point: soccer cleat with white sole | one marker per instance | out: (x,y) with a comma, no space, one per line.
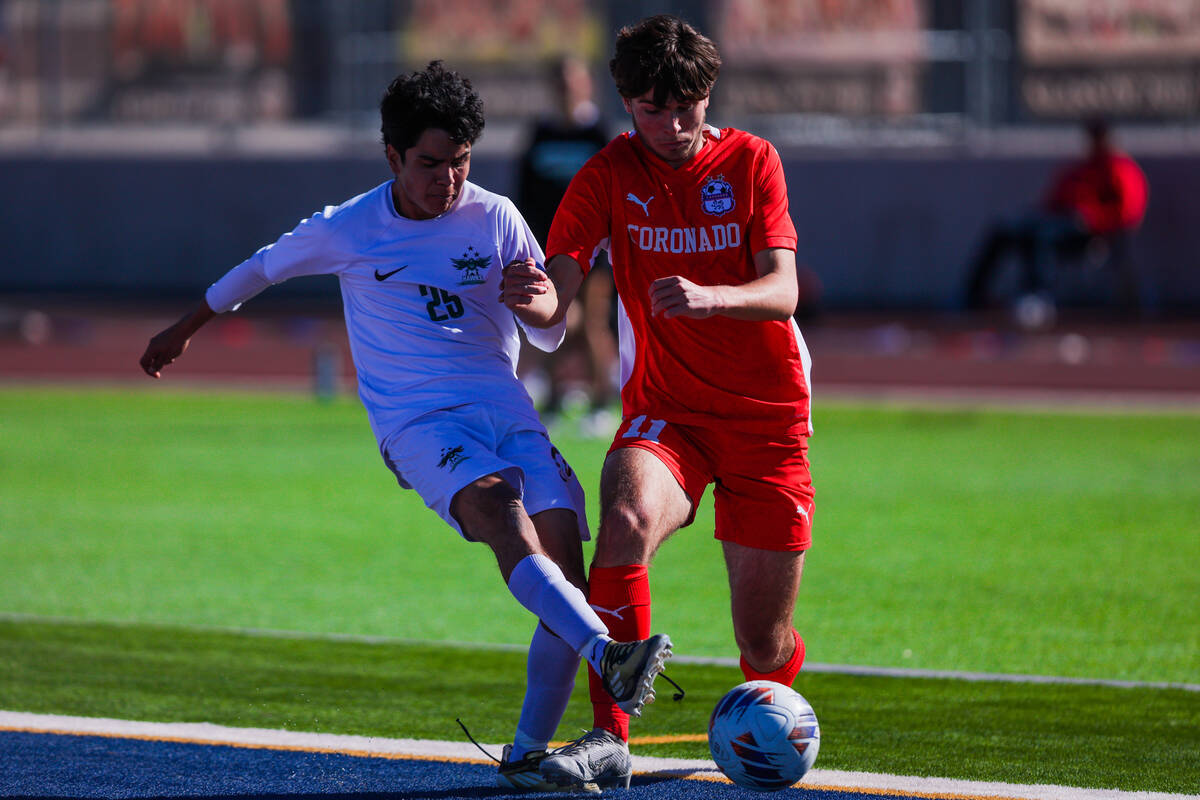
(523,774)
(628,670)
(598,759)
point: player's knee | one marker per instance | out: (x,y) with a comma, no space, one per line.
(488,502)
(625,535)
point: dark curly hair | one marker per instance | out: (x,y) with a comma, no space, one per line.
(432,98)
(665,54)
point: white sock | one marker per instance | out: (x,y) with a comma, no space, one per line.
(549,677)
(523,744)
(594,649)
(539,585)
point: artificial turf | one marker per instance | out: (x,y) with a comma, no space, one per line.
(1086,736)
(1050,543)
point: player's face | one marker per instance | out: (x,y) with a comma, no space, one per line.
(674,132)
(430,176)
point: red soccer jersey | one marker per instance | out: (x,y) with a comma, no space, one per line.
(703,221)
(1106,191)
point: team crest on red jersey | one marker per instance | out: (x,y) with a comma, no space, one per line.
(716,196)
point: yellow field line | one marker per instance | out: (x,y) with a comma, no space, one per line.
(669,738)
(664,739)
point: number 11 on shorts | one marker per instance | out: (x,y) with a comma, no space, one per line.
(652,431)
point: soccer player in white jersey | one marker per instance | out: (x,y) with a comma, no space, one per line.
(419,261)
(714,369)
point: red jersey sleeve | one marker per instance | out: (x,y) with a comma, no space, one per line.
(582,222)
(1134,193)
(771,225)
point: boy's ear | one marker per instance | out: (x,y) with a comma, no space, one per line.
(395,159)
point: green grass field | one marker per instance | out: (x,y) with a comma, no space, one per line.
(1044,543)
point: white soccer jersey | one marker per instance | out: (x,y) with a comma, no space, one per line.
(426,327)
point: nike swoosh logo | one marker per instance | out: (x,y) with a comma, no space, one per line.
(383,276)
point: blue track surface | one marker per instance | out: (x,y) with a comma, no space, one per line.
(60,766)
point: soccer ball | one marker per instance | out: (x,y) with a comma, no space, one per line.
(763,736)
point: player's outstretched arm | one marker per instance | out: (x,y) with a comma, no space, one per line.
(540,298)
(168,344)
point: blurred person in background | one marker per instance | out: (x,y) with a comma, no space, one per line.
(1090,209)
(558,147)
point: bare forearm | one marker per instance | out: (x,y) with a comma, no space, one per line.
(543,311)
(771,297)
(195,319)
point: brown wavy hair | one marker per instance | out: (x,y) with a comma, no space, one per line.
(666,55)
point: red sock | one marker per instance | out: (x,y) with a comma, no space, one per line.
(785,674)
(621,596)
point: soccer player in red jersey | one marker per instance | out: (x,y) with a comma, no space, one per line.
(714,369)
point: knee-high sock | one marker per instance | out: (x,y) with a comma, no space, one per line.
(621,596)
(539,585)
(785,674)
(549,678)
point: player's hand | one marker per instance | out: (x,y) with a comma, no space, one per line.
(169,343)
(676,296)
(164,348)
(521,282)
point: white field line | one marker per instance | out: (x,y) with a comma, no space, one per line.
(810,667)
(998,677)
(368,746)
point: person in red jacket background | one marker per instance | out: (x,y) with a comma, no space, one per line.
(1094,201)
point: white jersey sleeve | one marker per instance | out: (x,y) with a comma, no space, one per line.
(309,249)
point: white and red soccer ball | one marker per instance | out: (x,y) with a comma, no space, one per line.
(763,736)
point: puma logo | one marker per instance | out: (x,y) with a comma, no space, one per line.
(644,204)
(616,612)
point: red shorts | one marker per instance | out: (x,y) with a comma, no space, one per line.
(762,492)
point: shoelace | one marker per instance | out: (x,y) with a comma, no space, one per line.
(679,692)
(570,747)
(679,695)
(622,649)
(462,725)
(477,744)
(615,651)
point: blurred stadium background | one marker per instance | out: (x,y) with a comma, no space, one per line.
(146,146)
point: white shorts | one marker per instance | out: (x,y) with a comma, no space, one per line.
(439,453)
